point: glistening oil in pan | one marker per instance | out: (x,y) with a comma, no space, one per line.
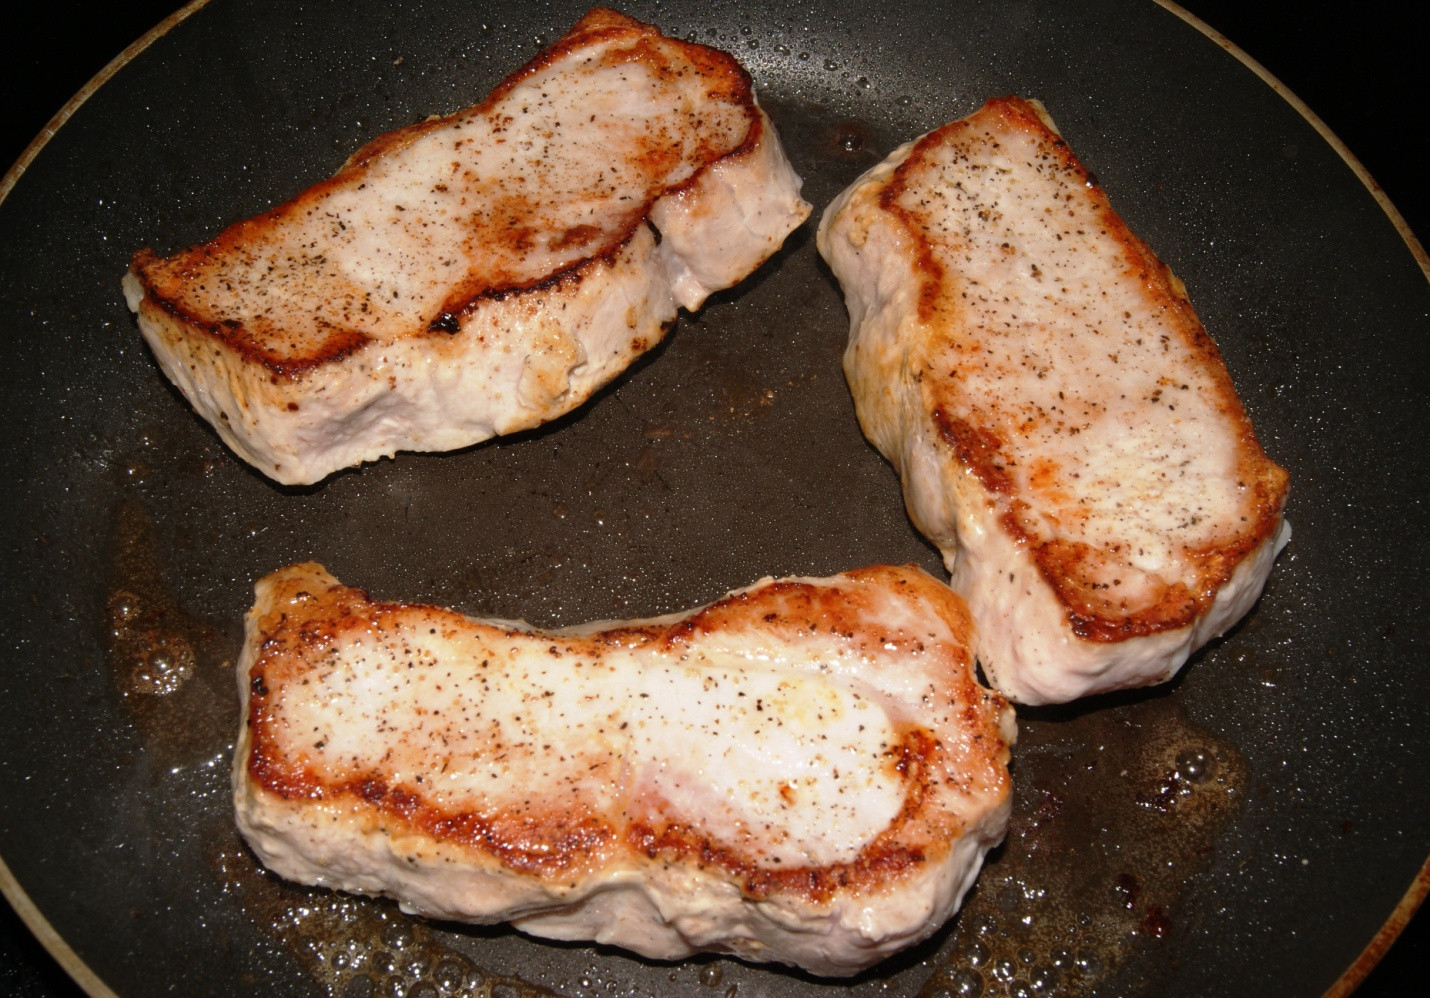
(167,664)
(359,948)
(1116,808)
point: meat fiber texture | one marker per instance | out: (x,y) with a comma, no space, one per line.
(481,273)
(805,771)
(1065,429)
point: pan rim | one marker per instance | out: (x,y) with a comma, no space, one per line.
(1395,922)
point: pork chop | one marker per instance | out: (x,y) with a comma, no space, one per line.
(480,273)
(1065,429)
(805,771)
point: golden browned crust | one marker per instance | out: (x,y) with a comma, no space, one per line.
(1093,611)
(178,285)
(307,613)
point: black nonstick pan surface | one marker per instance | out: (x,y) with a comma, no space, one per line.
(133,537)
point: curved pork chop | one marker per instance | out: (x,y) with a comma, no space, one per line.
(804,771)
(481,273)
(1065,429)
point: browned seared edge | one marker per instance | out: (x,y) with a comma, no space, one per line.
(306,610)
(175,284)
(1092,613)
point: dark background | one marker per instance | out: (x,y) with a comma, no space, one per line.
(1361,67)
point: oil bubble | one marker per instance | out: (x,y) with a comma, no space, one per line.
(398,935)
(1194,765)
(163,667)
(449,975)
(975,954)
(1043,979)
(711,974)
(124,607)
(965,982)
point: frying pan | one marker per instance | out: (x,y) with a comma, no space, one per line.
(134,537)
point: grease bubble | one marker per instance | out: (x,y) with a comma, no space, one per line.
(164,668)
(1194,765)
(123,608)
(449,975)
(398,935)
(975,954)
(965,982)
(1043,979)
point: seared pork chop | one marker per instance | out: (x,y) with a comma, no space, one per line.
(480,273)
(1065,429)
(804,771)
